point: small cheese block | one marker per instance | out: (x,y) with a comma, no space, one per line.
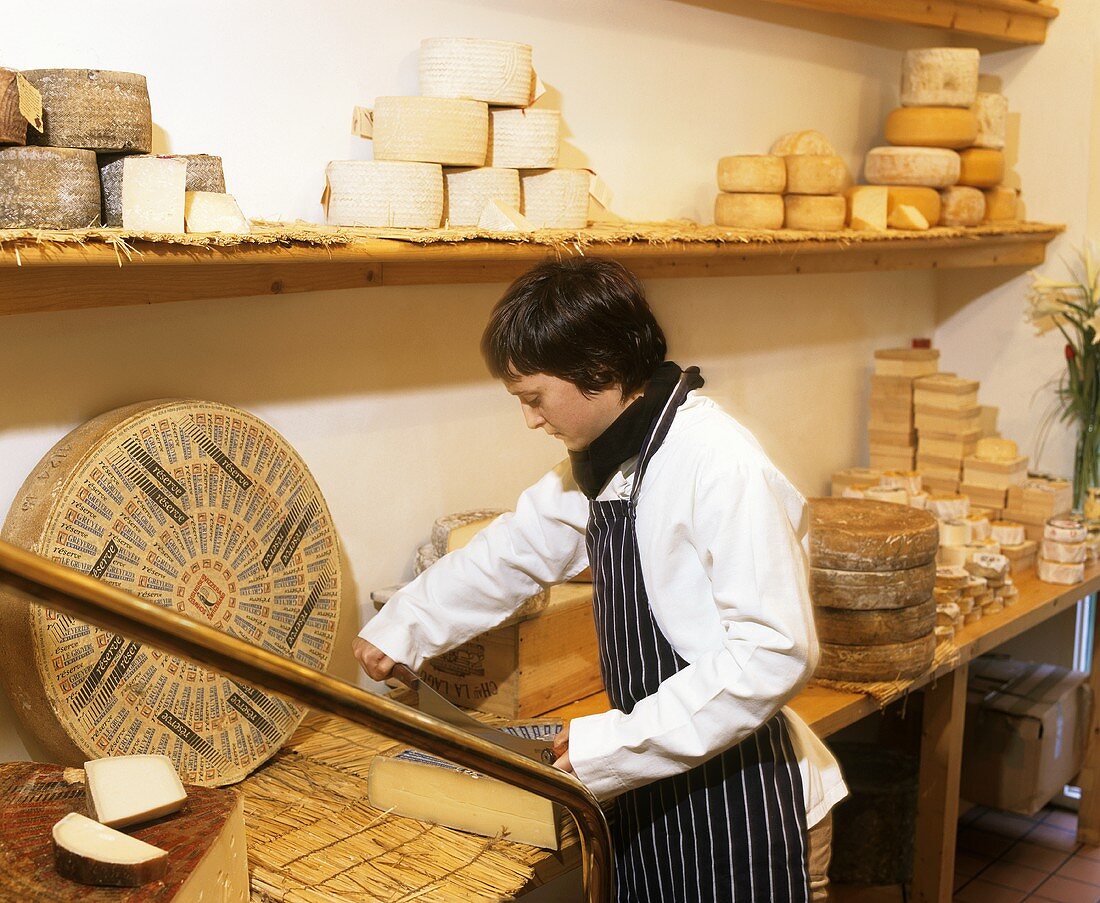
(926,200)
(931,127)
(946,596)
(981,167)
(1067,552)
(987,564)
(867,207)
(951,556)
(204,173)
(1065,529)
(991,111)
(883,494)
(980,527)
(48,188)
(940,77)
(13,127)
(851,628)
(211,211)
(153,194)
(498,217)
(864,535)
(994,448)
(1059,572)
(952,578)
(1001,204)
(752,174)
(91,853)
(814,212)
(805,142)
(749,211)
(976,586)
(1008,533)
(467,191)
(453,531)
(886,662)
(909,480)
(864,476)
(816,174)
(128,790)
(497,72)
(431,130)
(947,613)
(955,532)
(962,206)
(107,112)
(907,218)
(932,167)
(523,139)
(384,193)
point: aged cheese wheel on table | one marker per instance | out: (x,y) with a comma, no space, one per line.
(981,167)
(206,842)
(196,506)
(523,139)
(861,535)
(467,191)
(852,627)
(991,111)
(940,77)
(555,198)
(872,590)
(888,661)
(931,167)
(931,127)
(816,174)
(48,188)
(815,212)
(384,193)
(962,206)
(496,72)
(749,211)
(13,127)
(752,174)
(431,130)
(94,109)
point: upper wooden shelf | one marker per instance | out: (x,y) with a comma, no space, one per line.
(102,269)
(1013,21)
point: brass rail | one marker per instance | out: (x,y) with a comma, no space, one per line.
(110,608)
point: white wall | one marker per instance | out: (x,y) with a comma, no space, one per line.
(383,391)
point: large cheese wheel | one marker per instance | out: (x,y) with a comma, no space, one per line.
(431,130)
(932,167)
(931,127)
(981,167)
(962,206)
(384,193)
(467,191)
(940,77)
(874,628)
(523,139)
(555,198)
(204,173)
(871,664)
(926,200)
(816,174)
(749,211)
(13,127)
(815,212)
(805,142)
(93,109)
(872,590)
(860,535)
(752,174)
(1001,204)
(991,111)
(497,72)
(48,188)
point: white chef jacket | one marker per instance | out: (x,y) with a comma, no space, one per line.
(722,543)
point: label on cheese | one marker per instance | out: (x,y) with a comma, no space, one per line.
(1065,529)
(30,102)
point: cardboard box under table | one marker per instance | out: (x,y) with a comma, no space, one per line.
(1026,726)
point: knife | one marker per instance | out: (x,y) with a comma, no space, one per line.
(431,703)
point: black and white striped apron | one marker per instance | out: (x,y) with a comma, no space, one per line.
(731,829)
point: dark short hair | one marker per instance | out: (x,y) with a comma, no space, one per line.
(582,319)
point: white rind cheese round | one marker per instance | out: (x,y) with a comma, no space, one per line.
(931,167)
(1065,529)
(816,174)
(93,109)
(931,127)
(555,198)
(1008,533)
(1065,552)
(962,206)
(980,528)
(431,130)
(204,173)
(896,495)
(384,193)
(991,111)
(940,77)
(523,139)
(805,142)
(467,191)
(496,72)
(752,174)
(988,565)
(48,188)
(815,212)
(909,480)
(1057,572)
(749,211)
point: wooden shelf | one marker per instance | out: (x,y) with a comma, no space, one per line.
(1012,21)
(51,275)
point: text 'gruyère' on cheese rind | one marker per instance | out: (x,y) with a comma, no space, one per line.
(94,109)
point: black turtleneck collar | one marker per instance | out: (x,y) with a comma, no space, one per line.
(595,465)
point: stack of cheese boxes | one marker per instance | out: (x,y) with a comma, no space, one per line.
(799,185)
(1064,550)
(470,150)
(891,431)
(92,163)
(948,421)
(945,161)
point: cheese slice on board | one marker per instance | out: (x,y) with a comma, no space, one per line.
(91,853)
(498,217)
(13,126)
(940,76)
(463,526)
(931,127)
(749,211)
(814,212)
(48,188)
(211,211)
(752,174)
(931,167)
(128,790)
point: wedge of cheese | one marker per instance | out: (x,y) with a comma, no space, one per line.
(867,207)
(91,853)
(907,218)
(926,200)
(128,790)
(210,211)
(500,217)
(153,194)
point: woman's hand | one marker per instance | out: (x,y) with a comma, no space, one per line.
(375,662)
(561,750)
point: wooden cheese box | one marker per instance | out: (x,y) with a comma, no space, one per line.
(951,422)
(935,483)
(895,416)
(945,392)
(892,389)
(1035,501)
(529,666)
(984,496)
(995,474)
(906,362)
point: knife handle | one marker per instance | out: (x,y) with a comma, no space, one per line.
(406,675)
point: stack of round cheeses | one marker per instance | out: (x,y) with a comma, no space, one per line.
(873,572)
(1063,551)
(990,573)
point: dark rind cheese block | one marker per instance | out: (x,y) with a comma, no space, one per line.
(204,173)
(90,869)
(94,109)
(872,664)
(869,590)
(865,535)
(34,797)
(875,628)
(48,188)
(13,127)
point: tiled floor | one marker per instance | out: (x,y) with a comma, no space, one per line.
(1003,858)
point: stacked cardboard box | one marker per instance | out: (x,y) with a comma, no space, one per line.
(948,421)
(891,434)
(1035,501)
